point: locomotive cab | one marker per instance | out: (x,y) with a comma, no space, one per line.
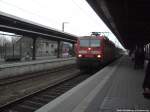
(94,51)
(89,51)
(89,48)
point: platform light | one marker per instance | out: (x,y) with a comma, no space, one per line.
(98,56)
(79,55)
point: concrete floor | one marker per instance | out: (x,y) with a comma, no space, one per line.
(123,92)
(116,88)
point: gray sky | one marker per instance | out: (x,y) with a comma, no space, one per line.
(81,18)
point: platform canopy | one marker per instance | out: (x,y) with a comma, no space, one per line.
(13,24)
(129,20)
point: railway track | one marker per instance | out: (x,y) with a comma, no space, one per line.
(34,101)
(15,91)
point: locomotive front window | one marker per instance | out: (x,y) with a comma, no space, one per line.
(84,42)
(94,43)
(89,43)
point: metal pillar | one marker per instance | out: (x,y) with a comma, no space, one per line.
(73,49)
(13,45)
(58,50)
(5,51)
(21,48)
(63,25)
(34,49)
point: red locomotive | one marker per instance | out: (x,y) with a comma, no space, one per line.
(94,50)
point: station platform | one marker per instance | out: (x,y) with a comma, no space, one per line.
(8,70)
(115,88)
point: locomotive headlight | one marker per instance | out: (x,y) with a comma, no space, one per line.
(89,48)
(98,56)
(79,55)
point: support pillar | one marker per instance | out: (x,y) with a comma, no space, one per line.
(5,50)
(34,49)
(73,49)
(58,50)
(13,46)
(21,48)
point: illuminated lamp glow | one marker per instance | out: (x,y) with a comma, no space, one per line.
(79,55)
(98,56)
(89,48)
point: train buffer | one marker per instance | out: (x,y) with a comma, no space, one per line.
(115,88)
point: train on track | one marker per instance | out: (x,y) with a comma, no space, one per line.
(95,50)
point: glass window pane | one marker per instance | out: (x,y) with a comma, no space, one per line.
(84,43)
(95,43)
